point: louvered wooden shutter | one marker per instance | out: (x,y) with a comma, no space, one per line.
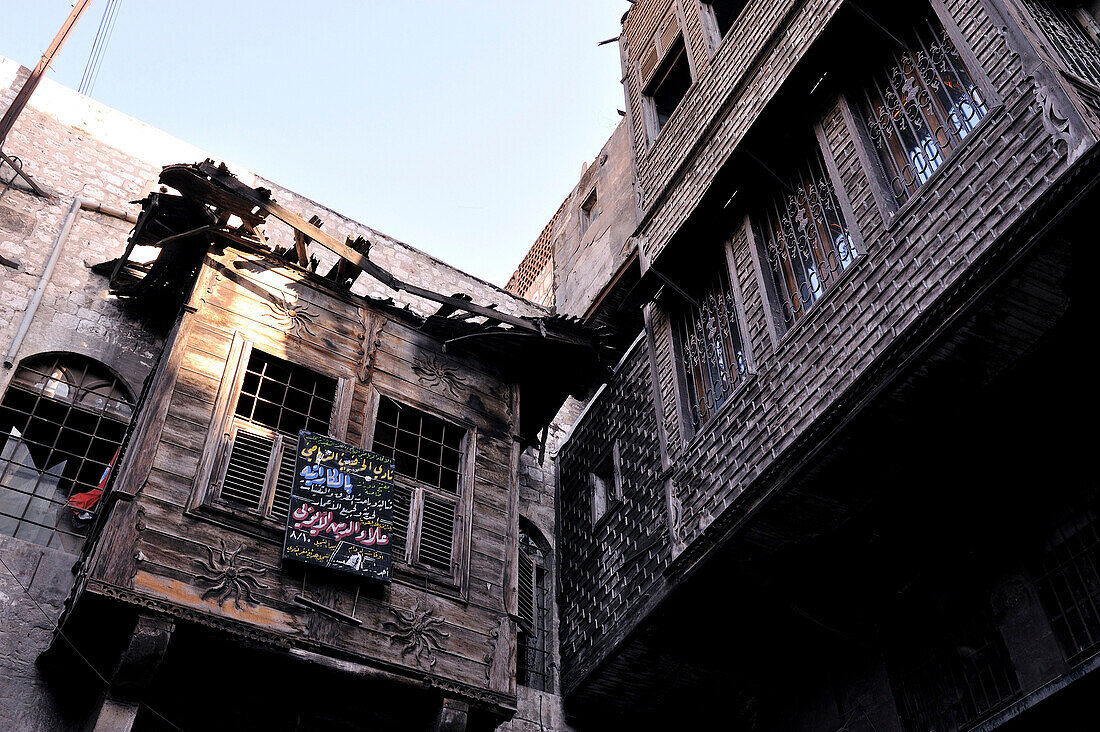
(437,528)
(247,466)
(668,35)
(647,63)
(280,501)
(526,592)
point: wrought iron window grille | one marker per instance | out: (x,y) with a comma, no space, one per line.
(920,108)
(1069,585)
(63,420)
(1071,35)
(806,241)
(712,353)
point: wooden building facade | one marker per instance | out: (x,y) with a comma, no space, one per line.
(834,481)
(183,588)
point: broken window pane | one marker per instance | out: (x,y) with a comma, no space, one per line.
(62,424)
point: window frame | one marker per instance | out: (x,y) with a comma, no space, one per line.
(542,633)
(780,331)
(612,489)
(676,51)
(589,210)
(406,569)
(889,209)
(709,17)
(683,396)
(206,497)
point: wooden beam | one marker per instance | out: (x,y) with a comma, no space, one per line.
(334,245)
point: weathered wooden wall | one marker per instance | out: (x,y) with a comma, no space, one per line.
(163,544)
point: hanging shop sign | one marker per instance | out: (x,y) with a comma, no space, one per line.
(341,508)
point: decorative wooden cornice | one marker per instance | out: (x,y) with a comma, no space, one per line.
(198,617)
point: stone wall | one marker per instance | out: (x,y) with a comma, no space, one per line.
(31,596)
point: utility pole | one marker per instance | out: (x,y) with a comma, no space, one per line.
(31,84)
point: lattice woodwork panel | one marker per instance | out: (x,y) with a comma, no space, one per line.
(607,567)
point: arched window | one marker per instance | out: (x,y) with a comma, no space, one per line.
(62,423)
(533,656)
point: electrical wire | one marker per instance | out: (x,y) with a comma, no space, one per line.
(99,47)
(81,656)
(94,55)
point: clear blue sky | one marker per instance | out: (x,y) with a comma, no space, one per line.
(456,126)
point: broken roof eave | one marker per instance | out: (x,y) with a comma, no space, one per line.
(529,351)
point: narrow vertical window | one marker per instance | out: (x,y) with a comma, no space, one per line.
(588,211)
(807,244)
(533,654)
(605,483)
(919,108)
(711,348)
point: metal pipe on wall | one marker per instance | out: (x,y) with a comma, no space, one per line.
(47,272)
(43,280)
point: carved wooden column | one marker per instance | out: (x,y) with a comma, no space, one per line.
(134,673)
(453,716)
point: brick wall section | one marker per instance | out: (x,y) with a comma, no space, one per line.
(584,260)
(534,277)
(607,570)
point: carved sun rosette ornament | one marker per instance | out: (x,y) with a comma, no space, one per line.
(228,577)
(418,630)
(294,318)
(431,371)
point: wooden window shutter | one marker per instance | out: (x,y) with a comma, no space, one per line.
(246,471)
(668,35)
(280,502)
(647,63)
(437,532)
(526,592)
